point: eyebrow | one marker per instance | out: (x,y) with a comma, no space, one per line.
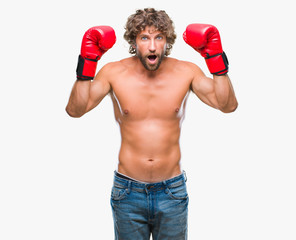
(148,35)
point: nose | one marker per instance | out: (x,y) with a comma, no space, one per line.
(152,45)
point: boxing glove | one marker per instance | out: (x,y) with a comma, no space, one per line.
(205,39)
(96,41)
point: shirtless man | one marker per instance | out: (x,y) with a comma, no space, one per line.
(149,92)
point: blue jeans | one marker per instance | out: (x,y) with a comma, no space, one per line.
(141,209)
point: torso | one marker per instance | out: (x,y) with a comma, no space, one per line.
(150,111)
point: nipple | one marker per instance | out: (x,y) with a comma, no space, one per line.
(177,110)
(125,111)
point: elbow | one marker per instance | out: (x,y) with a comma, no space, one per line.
(72,113)
(230,109)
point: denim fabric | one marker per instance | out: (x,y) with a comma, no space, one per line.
(141,209)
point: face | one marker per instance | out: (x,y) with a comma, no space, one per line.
(150,48)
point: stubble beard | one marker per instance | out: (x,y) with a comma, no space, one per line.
(147,66)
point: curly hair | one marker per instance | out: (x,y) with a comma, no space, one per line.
(149,17)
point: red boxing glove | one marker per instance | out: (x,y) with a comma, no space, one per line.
(205,39)
(96,41)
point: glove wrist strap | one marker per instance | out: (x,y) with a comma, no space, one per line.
(86,68)
(217,64)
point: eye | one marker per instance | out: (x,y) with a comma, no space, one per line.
(159,37)
(144,38)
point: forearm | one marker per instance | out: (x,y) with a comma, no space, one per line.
(224,92)
(79,98)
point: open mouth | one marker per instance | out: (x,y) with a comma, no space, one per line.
(152,58)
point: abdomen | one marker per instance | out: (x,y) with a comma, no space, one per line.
(150,150)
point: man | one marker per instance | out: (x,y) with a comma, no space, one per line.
(149,92)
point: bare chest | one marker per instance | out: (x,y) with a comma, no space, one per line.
(159,98)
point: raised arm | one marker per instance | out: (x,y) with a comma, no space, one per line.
(86,94)
(217,92)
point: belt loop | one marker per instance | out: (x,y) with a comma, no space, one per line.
(129,186)
(185,177)
(166,188)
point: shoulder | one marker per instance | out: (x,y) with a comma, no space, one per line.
(184,66)
(113,69)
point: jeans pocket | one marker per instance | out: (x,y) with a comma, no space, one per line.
(118,192)
(178,193)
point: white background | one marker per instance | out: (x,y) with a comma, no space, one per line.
(56,172)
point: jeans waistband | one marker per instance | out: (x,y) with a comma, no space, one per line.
(125,181)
